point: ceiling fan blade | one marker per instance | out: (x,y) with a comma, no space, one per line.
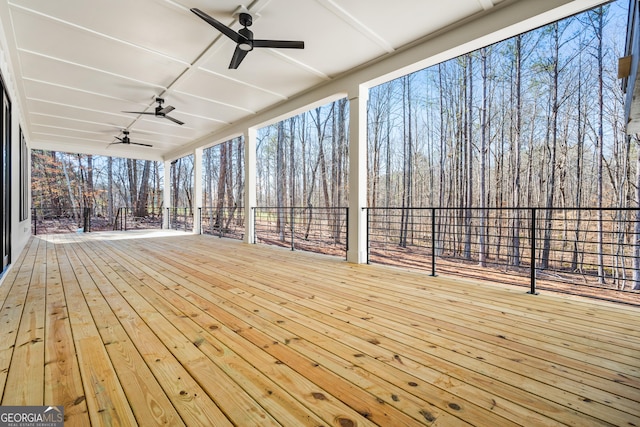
(140,112)
(138,143)
(279,44)
(173,120)
(166,110)
(219,26)
(119,139)
(238,56)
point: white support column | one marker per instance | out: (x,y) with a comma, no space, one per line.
(166,194)
(250,199)
(357,252)
(197,191)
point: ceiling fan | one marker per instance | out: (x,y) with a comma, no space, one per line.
(160,111)
(244,37)
(125,140)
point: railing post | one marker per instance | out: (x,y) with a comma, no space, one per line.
(433,242)
(532,291)
(220,222)
(367,227)
(346,223)
(293,245)
(255,240)
(86,226)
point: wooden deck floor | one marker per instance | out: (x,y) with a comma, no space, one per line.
(126,329)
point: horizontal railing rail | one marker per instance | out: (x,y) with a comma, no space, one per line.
(223,221)
(563,249)
(313,229)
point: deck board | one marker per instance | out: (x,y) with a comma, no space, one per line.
(125,328)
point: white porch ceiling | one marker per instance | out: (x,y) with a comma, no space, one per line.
(77,64)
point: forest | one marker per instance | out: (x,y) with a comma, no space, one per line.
(532,121)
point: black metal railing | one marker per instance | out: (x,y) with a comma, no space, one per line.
(60,220)
(180,218)
(311,229)
(127,218)
(222,221)
(560,248)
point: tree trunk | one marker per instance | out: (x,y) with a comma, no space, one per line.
(482,250)
(518,148)
(222,177)
(469,156)
(599,35)
(110,201)
(579,173)
(143,195)
(74,206)
(280,184)
(553,129)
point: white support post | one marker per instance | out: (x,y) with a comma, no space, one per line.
(197,183)
(250,136)
(166,195)
(357,237)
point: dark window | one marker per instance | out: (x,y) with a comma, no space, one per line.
(5,177)
(24,178)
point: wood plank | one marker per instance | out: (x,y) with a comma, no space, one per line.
(147,399)
(62,379)
(25,380)
(161,343)
(199,322)
(14,293)
(105,397)
(372,406)
(185,394)
(422,410)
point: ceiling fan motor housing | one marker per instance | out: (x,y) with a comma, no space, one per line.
(247,34)
(245,19)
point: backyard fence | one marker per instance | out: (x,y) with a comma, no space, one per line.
(127,218)
(562,248)
(60,220)
(311,229)
(180,219)
(222,221)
